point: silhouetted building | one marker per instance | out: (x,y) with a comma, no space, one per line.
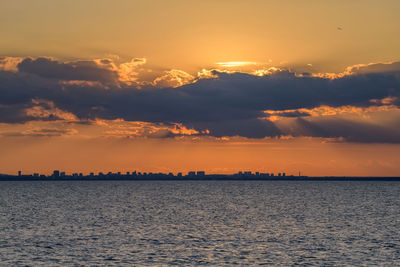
(201,175)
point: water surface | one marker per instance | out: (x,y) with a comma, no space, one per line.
(199,222)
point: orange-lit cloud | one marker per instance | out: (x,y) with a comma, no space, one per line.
(173,78)
(268,71)
(46,110)
(10,63)
(121,128)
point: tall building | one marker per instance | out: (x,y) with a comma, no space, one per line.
(201,173)
(56,173)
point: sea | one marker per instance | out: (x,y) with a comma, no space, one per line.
(216,223)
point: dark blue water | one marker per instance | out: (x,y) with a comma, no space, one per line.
(199,222)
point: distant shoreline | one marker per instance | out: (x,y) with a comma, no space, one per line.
(193,178)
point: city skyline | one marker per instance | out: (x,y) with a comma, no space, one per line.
(59,173)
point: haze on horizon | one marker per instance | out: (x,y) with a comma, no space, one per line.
(219,86)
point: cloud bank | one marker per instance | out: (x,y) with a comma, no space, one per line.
(219,104)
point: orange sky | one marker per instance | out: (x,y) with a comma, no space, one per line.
(108,48)
(194,34)
(311,157)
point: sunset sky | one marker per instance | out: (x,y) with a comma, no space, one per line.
(219,86)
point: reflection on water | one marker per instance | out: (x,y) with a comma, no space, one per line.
(199,222)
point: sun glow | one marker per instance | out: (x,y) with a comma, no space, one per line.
(235,63)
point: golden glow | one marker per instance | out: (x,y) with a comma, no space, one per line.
(172,43)
(231,64)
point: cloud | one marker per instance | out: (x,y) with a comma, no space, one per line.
(348,130)
(125,129)
(250,128)
(45,132)
(10,63)
(14,114)
(128,72)
(393,68)
(78,70)
(221,103)
(35,110)
(173,78)
(275,115)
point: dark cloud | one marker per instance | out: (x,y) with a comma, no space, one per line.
(393,68)
(228,105)
(251,128)
(78,70)
(349,130)
(289,114)
(40,133)
(14,114)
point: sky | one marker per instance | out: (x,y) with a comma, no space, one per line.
(220,86)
